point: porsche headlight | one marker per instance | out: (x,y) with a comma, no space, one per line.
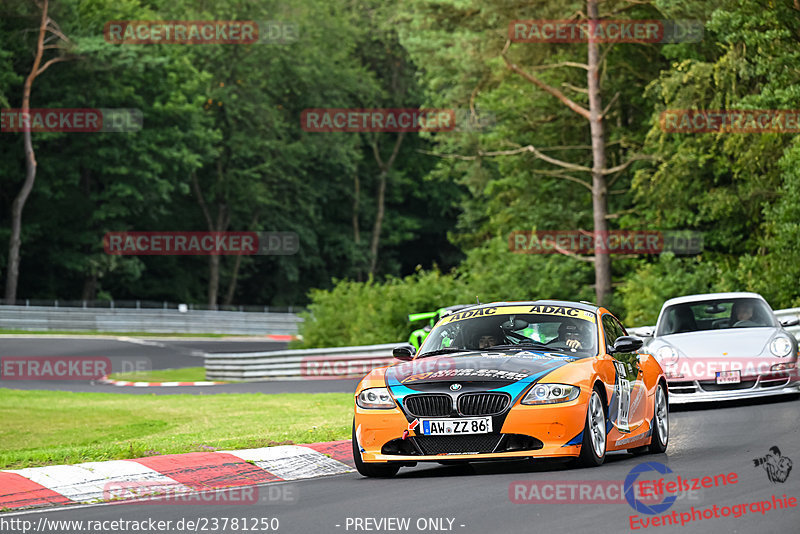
(780,346)
(375,398)
(667,354)
(551,394)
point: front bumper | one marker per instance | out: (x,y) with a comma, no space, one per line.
(545,431)
(689,391)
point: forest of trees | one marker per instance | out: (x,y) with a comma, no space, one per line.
(560,136)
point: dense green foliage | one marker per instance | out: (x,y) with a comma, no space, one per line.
(227,118)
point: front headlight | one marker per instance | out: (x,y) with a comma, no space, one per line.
(780,346)
(375,398)
(551,394)
(667,354)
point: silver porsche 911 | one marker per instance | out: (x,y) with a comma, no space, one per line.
(724,346)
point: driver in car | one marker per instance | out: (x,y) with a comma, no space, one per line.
(485,339)
(573,336)
(743,314)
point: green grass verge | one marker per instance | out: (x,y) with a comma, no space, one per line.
(98,333)
(187,374)
(55,427)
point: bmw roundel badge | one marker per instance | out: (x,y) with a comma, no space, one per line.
(455,387)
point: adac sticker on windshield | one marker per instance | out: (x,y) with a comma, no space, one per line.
(540,309)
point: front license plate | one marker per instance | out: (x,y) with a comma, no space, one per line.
(729,377)
(451,427)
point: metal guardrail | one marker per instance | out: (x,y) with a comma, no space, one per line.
(148,304)
(340,362)
(156,321)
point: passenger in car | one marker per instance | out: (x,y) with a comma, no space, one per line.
(683,320)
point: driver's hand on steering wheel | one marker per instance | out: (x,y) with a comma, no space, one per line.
(574,344)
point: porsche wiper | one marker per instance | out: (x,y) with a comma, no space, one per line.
(448,350)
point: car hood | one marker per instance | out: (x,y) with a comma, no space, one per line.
(740,342)
(490,369)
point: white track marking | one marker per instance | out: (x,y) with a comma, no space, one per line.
(292,462)
(98,481)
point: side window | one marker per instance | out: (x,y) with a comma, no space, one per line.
(620,328)
(610,330)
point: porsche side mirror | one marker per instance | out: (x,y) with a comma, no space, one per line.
(790,321)
(404,352)
(625,344)
(647,331)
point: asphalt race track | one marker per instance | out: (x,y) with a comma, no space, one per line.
(705,441)
(126,354)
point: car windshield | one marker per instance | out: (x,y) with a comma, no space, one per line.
(715,315)
(533,327)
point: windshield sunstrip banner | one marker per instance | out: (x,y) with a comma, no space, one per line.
(540,309)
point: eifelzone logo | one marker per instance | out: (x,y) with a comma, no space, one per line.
(777,467)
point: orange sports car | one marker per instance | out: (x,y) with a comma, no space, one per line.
(511,380)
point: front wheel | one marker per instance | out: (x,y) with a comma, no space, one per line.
(660,422)
(381,470)
(593,446)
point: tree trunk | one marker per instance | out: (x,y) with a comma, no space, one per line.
(232,284)
(89,287)
(356,230)
(213,280)
(221,225)
(602,263)
(382,177)
(376,229)
(15,242)
(236,265)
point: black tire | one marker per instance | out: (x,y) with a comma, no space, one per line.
(660,422)
(594,427)
(379,470)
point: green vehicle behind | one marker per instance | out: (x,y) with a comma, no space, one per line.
(418,336)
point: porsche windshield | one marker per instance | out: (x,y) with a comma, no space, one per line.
(715,315)
(533,327)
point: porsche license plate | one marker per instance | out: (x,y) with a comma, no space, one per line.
(452,427)
(729,377)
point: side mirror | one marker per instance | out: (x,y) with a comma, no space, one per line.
(404,352)
(790,321)
(625,344)
(643,331)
